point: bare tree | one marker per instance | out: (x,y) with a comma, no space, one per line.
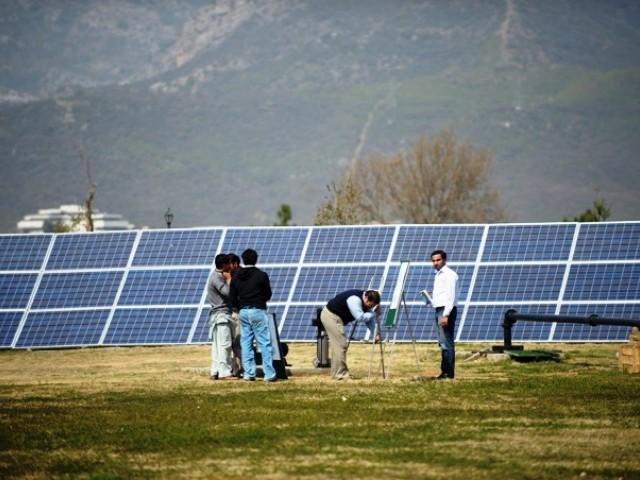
(438,180)
(88,202)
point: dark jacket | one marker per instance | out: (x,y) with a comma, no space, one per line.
(338,305)
(250,287)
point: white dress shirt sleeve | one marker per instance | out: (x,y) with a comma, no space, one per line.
(355,307)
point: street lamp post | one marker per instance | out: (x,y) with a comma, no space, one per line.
(168,216)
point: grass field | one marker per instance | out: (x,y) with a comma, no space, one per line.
(152,412)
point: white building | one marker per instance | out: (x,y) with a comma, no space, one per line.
(46,220)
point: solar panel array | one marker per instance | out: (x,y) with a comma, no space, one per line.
(148,287)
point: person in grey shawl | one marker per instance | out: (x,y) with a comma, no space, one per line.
(221,324)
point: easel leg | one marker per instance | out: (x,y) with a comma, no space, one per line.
(403,307)
(384,375)
(376,332)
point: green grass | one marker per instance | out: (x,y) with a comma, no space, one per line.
(153,413)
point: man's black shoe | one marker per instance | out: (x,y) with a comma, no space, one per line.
(443,376)
(250,379)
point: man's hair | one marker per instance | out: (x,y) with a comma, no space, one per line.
(233,258)
(249,256)
(373,296)
(221,260)
(442,253)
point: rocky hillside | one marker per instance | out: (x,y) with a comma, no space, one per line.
(225,110)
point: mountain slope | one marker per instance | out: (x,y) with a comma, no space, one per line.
(226,111)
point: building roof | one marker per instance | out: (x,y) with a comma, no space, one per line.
(47,219)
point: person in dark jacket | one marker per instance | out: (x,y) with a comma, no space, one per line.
(249,292)
(359,305)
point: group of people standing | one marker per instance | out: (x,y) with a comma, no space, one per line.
(238,316)
(239,297)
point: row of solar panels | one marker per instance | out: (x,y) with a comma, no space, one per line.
(149,287)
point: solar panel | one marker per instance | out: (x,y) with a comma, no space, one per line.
(415,242)
(148,287)
(176,247)
(77,289)
(522,243)
(150,326)
(82,251)
(299,323)
(274,245)
(319,284)
(9,322)
(201,333)
(608,241)
(618,281)
(516,283)
(349,244)
(280,279)
(164,287)
(70,328)
(23,252)
(15,289)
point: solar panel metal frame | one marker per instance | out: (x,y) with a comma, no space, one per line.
(149,286)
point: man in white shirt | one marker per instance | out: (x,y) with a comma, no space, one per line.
(445,300)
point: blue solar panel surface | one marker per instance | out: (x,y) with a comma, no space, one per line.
(15,289)
(150,326)
(78,251)
(415,242)
(274,245)
(78,289)
(516,283)
(617,281)
(9,322)
(523,243)
(164,287)
(176,247)
(67,328)
(319,284)
(608,241)
(349,245)
(148,287)
(23,252)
